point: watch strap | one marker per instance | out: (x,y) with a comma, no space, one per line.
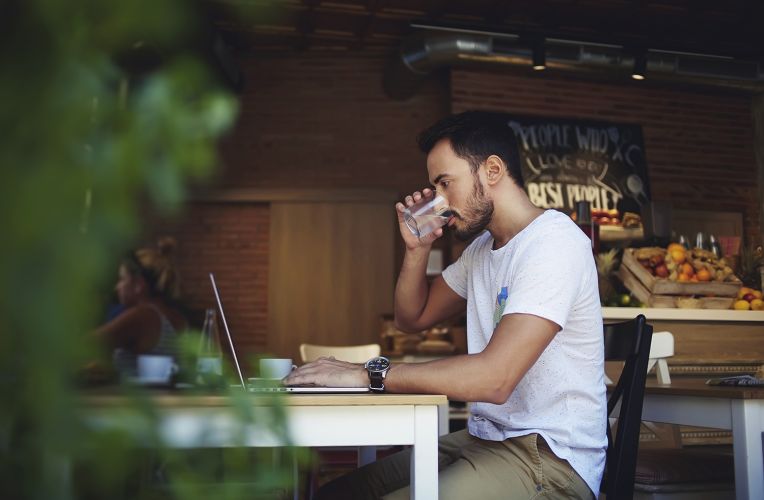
(377,381)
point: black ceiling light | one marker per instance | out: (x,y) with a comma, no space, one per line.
(539,56)
(640,65)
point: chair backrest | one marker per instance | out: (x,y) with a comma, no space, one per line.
(351,353)
(629,342)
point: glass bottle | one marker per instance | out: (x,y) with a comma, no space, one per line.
(209,361)
(684,241)
(701,241)
(587,225)
(715,246)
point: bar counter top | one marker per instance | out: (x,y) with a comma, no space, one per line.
(706,315)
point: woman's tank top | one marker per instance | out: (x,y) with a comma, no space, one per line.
(125,361)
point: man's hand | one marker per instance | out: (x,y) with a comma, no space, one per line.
(329,372)
(410,239)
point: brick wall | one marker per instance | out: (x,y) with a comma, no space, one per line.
(230,240)
(699,144)
(323,121)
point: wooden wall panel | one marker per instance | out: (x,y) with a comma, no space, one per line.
(331,274)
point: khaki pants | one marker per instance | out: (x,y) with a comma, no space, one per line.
(470,469)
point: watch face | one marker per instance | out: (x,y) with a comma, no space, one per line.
(378,364)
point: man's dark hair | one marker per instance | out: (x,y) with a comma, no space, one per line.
(474,136)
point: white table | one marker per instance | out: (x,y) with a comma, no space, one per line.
(739,409)
(365,420)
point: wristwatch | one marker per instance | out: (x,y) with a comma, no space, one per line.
(377,368)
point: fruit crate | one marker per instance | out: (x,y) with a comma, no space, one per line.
(640,291)
(663,286)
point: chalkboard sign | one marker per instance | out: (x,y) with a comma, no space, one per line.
(566,160)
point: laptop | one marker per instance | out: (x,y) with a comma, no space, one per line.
(297,389)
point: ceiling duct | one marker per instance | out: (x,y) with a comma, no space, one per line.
(420,55)
(423,53)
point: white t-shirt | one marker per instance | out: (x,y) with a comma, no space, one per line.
(546,270)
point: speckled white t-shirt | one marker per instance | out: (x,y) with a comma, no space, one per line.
(546,270)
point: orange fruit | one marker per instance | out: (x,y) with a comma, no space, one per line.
(675,246)
(684,277)
(757,305)
(704,275)
(678,256)
(741,305)
(687,269)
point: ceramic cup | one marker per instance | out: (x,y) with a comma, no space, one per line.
(155,369)
(275,367)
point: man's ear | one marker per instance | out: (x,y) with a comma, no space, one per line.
(494,169)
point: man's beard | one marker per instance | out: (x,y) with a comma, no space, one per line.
(477,214)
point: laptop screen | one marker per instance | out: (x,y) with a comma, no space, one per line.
(227,331)
(310,389)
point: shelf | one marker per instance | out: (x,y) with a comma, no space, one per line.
(617,233)
(683,314)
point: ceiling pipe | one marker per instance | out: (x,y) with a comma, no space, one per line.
(426,52)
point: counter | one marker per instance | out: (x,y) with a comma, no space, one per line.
(673,314)
(706,341)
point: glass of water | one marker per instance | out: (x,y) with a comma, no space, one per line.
(427,215)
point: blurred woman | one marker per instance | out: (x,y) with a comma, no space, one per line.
(150,322)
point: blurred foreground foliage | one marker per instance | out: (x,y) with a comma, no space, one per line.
(83,145)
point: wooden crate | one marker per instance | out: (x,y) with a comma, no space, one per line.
(663,286)
(640,291)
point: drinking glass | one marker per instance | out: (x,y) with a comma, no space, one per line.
(427,215)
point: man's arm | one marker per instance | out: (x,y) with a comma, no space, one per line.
(489,376)
(417,304)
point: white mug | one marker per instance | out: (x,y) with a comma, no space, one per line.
(276,367)
(155,368)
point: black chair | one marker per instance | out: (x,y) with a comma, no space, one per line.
(628,341)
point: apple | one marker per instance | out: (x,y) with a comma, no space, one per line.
(661,271)
(749,297)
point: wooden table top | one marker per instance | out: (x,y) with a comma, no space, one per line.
(682,386)
(179,399)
